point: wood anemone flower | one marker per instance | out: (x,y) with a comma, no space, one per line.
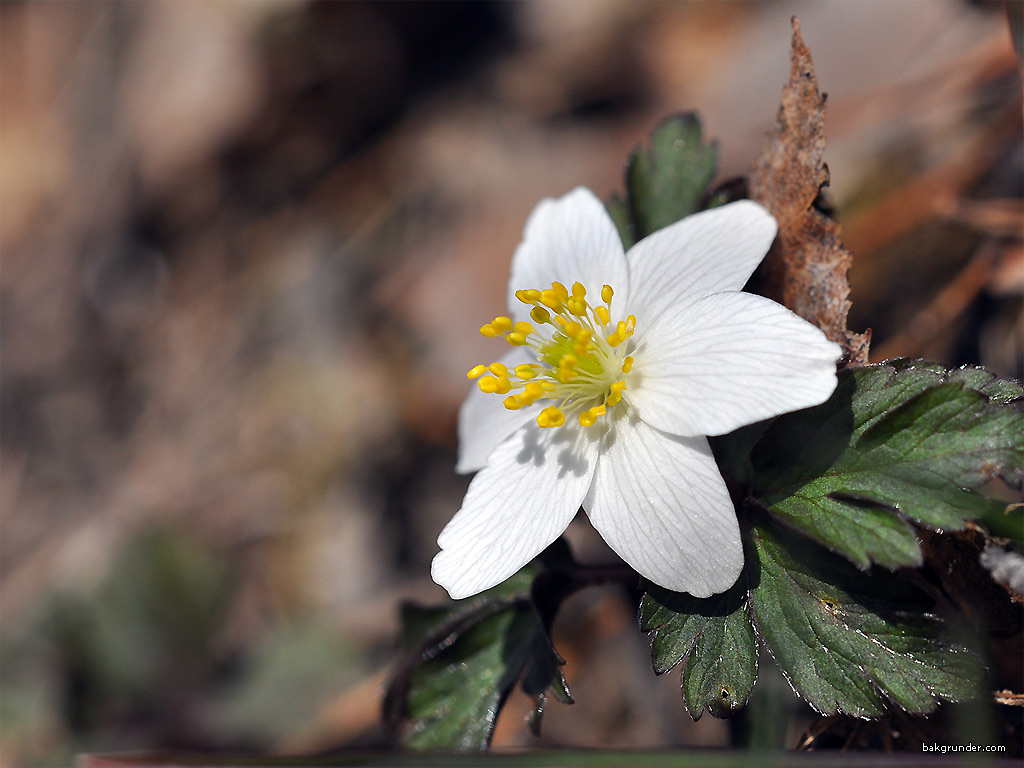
(621,364)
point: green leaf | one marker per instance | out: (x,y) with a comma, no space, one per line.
(714,639)
(464,663)
(849,642)
(905,438)
(666,182)
(995,389)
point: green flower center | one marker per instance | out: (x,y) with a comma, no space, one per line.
(581,356)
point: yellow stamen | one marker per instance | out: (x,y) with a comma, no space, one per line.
(540,315)
(526,371)
(579,359)
(589,417)
(616,394)
(551,299)
(550,417)
(577,306)
(534,390)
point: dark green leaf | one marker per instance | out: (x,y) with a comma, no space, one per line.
(464,663)
(904,438)
(850,642)
(995,389)
(714,639)
(667,181)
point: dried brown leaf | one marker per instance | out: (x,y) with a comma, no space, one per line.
(806,267)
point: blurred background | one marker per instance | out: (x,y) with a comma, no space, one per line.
(245,251)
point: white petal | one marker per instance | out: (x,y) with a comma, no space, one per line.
(731,359)
(662,505)
(708,252)
(528,493)
(484,422)
(569,239)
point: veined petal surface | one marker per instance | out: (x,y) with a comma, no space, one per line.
(569,239)
(708,252)
(525,497)
(728,360)
(661,504)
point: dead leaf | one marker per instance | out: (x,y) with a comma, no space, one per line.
(806,269)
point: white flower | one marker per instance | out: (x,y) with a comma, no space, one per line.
(607,404)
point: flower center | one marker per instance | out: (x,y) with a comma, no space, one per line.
(581,356)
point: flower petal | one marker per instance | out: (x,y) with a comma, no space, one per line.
(711,251)
(484,422)
(526,496)
(730,359)
(569,239)
(661,503)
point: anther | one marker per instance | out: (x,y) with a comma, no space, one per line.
(523,327)
(498,369)
(550,417)
(475,371)
(501,323)
(627,364)
(577,306)
(551,299)
(540,315)
(516,339)
(526,371)
(513,402)
(489,331)
(616,394)
(589,417)
(606,294)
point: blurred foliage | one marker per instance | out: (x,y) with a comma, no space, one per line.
(141,653)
